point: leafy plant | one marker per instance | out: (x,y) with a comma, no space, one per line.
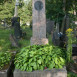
(39,57)
(4,59)
(71,74)
(69,45)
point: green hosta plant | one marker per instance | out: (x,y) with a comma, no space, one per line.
(39,57)
(5,58)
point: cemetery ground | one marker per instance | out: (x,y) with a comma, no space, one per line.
(6,47)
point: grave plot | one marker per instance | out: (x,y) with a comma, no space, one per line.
(35,57)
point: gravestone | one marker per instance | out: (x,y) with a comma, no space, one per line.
(55,38)
(13,41)
(39,23)
(49,26)
(65,24)
(16,26)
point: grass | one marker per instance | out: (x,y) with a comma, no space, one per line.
(26,40)
(4,40)
(5,44)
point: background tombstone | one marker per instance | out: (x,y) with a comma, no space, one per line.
(16,25)
(55,38)
(49,26)
(39,23)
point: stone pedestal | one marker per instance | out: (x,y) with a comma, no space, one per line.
(44,73)
(39,41)
(39,23)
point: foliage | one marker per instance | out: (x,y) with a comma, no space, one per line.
(39,57)
(54,10)
(69,44)
(25,41)
(5,44)
(25,12)
(6,11)
(4,40)
(71,74)
(5,58)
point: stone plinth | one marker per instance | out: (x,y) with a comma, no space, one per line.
(45,73)
(38,22)
(39,41)
(7,72)
(3,74)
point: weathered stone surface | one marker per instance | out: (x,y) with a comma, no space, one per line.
(45,73)
(49,26)
(38,21)
(13,41)
(3,74)
(16,25)
(38,41)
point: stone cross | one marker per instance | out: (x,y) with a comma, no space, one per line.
(39,23)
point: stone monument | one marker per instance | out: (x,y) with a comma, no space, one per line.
(49,26)
(38,23)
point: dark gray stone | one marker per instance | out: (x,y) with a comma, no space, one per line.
(74,49)
(65,24)
(13,41)
(17,30)
(49,26)
(16,25)
(55,38)
(38,5)
(45,73)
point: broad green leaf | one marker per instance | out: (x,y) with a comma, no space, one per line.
(51,66)
(39,61)
(56,60)
(30,69)
(41,68)
(33,64)
(62,60)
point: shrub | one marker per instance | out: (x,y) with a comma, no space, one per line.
(71,74)
(39,57)
(5,58)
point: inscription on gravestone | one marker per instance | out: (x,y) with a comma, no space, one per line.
(38,5)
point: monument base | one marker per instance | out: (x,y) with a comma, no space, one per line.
(38,41)
(39,73)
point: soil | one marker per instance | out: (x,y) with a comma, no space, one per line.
(5,68)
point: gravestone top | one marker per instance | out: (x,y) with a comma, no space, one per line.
(38,5)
